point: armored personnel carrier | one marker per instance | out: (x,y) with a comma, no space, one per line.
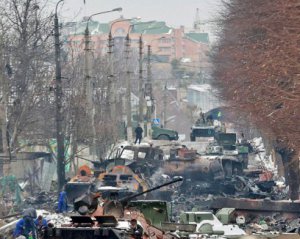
(111,217)
(203,131)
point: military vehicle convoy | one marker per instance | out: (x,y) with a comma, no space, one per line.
(222,157)
(232,156)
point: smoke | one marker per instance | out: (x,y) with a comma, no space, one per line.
(159,177)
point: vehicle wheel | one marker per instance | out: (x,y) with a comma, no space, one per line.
(163,137)
(193,138)
(239,186)
(228,169)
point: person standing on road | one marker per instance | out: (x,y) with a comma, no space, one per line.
(62,201)
(138,134)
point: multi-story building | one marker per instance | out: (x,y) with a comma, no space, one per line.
(167,43)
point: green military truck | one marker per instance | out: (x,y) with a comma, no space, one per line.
(164,134)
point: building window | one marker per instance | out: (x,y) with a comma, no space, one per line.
(165,49)
(165,40)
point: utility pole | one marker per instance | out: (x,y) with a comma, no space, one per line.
(140,84)
(148,92)
(59,116)
(87,77)
(165,106)
(128,89)
(88,89)
(111,81)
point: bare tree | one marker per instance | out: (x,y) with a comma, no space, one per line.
(256,71)
(25,31)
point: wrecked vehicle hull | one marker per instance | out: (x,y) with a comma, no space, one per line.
(112,218)
(203,167)
(86,233)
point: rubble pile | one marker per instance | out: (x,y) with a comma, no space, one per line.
(275,224)
(15,197)
(42,200)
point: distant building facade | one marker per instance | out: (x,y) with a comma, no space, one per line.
(166,43)
(202,96)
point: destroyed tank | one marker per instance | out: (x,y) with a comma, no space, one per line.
(110,217)
(116,178)
(221,159)
(234,155)
(198,167)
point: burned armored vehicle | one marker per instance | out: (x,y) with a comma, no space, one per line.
(112,217)
(105,176)
(226,144)
(140,152)
(223,157)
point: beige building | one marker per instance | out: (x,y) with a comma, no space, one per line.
(167,43)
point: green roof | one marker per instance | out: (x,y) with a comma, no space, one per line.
(198,37)
(152,27)
(94,28)
(104,28)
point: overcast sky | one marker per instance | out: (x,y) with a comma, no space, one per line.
(174,12)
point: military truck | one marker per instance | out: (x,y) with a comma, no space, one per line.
(164,134)
(202,131)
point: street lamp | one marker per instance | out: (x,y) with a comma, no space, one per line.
(86,36)
(87,89)
(119,9)
(123,20)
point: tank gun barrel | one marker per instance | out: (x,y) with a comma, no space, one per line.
(126,199)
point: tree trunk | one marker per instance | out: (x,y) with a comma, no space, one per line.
(3,114)
(291,169)
(294,177)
